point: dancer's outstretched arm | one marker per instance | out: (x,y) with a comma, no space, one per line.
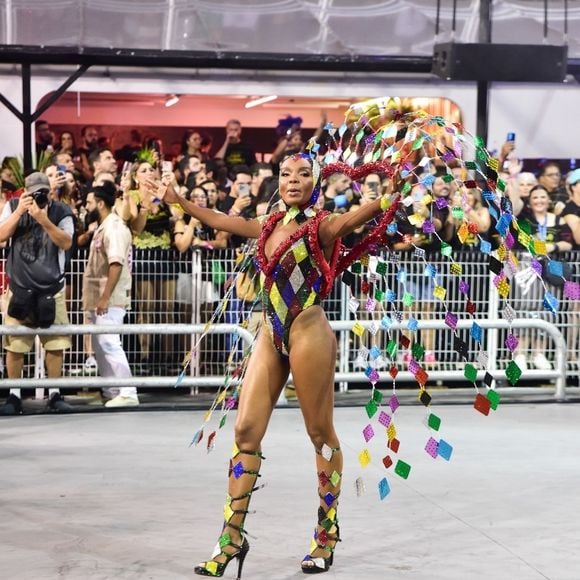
(337,227)
(240,226)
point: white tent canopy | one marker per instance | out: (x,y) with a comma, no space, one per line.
(341,27)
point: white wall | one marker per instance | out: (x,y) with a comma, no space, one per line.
(545,118)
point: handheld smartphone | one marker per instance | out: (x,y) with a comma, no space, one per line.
(511,137)
(244,189)
(126,167)
(166,167)
(61,170)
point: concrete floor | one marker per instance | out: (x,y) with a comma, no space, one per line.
(122,496)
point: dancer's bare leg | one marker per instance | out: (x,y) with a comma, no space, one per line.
(265,377)
(314,380)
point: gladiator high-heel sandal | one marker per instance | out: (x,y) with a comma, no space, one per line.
(242,484)
(327,532)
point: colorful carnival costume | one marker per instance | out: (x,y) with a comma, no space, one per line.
(297,276)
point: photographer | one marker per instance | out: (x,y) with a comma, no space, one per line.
(40,230)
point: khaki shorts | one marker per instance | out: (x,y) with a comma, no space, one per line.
(22,344)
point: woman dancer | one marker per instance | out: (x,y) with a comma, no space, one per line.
(298,256)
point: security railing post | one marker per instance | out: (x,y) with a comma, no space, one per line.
(38,366)
(196,278)
(344,350)
(492,314)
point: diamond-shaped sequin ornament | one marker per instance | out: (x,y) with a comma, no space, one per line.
(424,397)
(481,404)
(402,469)
(418,350)
(511,342)
(494,398)
(384,419)
(509,313)
(364,457)
(482,359)
(476,332)
(323,479)
(384,488)
(513,373)
(225,540)
(238,470)
(368,432)
(470,372)
(434,422)
(329,499)
(444,450)
(371,408)
(432,447)
(451,320)
(335,478)
(439,292)
(394,403)
(326,452)
(359,486)
(377,396)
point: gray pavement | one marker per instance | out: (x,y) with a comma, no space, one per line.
(121,495)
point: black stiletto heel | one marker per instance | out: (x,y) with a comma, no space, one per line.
(217,569)
(242,558)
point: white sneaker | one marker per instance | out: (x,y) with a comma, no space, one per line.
(542,363)
(520,360)
(123,401)
(90,366)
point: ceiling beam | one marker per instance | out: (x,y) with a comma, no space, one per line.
(60,55)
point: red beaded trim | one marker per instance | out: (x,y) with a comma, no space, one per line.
(309,229)
(378,235)
(329,270)
(360,172)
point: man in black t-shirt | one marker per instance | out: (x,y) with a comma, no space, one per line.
(234,151)
(571,212)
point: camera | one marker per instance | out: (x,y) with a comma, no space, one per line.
(40,196)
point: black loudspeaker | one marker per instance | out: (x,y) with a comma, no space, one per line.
(500,62)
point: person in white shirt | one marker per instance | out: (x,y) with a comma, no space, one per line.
(107,290)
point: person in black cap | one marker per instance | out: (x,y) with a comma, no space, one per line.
(40,231)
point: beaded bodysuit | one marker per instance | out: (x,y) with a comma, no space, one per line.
(296,277)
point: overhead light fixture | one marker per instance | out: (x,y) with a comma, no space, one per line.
(172,100)
(260,101)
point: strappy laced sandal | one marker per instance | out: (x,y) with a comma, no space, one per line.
(326,536)
(327,532)
(235,512)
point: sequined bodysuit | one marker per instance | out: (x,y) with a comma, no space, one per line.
(296,277)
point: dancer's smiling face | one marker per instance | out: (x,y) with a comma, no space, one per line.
(296,181)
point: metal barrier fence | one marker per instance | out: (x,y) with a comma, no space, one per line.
(344,377)
(173,289)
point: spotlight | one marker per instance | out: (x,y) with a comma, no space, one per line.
(260,101)
(172,100)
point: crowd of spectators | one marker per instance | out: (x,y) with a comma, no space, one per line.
(230,179)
